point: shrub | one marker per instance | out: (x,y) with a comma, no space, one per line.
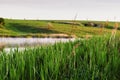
(1,21)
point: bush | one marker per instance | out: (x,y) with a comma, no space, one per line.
(1,21)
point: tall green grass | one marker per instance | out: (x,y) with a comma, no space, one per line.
(92,59)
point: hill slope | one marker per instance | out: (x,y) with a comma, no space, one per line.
(41,28)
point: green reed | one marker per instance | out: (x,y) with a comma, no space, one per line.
(92,59)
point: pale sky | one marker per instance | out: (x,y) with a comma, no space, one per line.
(61,9)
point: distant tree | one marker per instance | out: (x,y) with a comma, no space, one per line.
(2,21)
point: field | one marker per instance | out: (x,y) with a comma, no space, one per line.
(41,28)
(95,58)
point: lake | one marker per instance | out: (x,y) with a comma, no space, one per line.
(11,43)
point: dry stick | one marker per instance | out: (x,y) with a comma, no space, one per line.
(101,29)
(102,26)
(49,25)
(113,33)
(2,46)
(106,23)
(74,53)
(74,21)
(87,36)
(74,47)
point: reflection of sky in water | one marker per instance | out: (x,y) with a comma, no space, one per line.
(12,42)
(32,41)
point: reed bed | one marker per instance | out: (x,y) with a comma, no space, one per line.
(90,59)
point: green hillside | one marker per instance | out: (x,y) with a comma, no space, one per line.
(40,28)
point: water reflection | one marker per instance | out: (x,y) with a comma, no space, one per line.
(25,42)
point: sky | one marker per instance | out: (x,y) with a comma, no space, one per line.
(61,9)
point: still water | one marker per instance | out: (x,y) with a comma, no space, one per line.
(11,43)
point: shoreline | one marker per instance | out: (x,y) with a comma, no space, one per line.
(38,36)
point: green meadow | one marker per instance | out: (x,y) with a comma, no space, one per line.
(41,28)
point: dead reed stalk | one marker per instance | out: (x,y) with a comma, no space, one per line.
(102,28)
(74,47)
(113,33)
(2,46)
(87,36)
(49,25)
(74,53)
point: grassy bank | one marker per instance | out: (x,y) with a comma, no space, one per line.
(41,28)
(91,59)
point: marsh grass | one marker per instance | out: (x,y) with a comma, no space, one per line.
(90,59)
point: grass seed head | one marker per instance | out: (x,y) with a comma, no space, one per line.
(116,25)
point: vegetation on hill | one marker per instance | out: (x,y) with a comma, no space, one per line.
(41,28)
(2,22)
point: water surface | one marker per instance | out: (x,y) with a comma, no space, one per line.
(22,43)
